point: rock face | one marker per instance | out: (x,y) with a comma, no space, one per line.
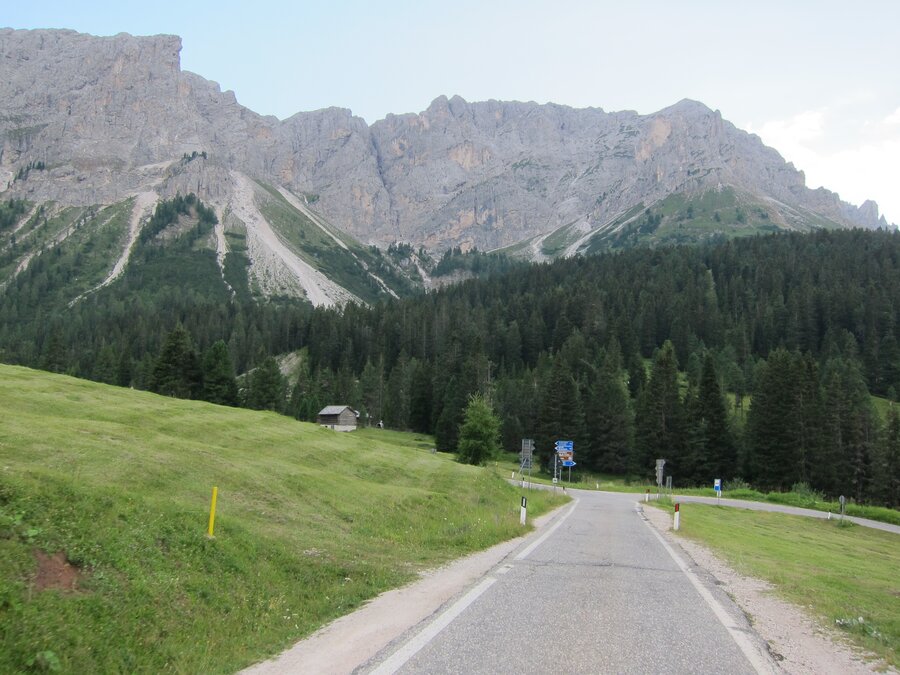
(113,116)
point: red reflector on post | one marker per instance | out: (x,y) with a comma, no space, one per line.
(676,506)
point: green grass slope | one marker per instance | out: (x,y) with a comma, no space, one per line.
(116,484)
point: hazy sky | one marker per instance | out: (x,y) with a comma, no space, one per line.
(818,80)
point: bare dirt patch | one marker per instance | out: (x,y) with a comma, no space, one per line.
(799,643)
(55,572)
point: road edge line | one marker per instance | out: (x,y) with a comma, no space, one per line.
(399,658)
(759,660)
(528,550)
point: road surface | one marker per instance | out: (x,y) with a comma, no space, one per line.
(790,510)
(599,591)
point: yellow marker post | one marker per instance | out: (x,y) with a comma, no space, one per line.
(212,512)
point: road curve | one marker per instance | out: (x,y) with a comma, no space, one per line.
(783,508)
(598,591)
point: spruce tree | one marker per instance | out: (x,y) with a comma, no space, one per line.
(659,432)
(714,453)
(771,424)
(267,387)
(561,415)
(177,371)
(608,420)
(106,366)
(420,399)
(887,474)
(371,384)
(219,383)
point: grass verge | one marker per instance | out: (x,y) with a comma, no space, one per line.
(846,575)
(114,485)
(587,480)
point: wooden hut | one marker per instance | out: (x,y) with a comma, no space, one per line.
(338,417)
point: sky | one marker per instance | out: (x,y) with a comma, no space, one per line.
(818,80)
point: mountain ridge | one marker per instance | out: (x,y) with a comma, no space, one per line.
(108,118)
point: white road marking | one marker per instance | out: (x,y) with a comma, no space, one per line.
(411,648)
(540,540)
(399,658)
(761,662)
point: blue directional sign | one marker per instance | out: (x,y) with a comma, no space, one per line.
(568,462)
(565,445)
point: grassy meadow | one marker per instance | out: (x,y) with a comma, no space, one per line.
(310,524)
(845,575)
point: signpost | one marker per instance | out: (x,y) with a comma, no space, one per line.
(565,451)
(718,486)
(843,500)
(526,456)
(660,463)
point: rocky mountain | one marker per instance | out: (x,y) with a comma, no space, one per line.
(91,121)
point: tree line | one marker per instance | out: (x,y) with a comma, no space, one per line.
(751,359)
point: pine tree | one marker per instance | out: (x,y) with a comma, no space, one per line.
(771,421)
(420,399)
(219,383)
(177,371)
(659,432)
(267,387)
(106,366)
(479,434)
(608,420)
(561,415)
(371,384)
(887,474)
(715,454)
(446,433)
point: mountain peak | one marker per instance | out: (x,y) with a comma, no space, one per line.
(114,117)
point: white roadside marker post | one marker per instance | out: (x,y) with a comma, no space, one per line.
(523,512)
(677,517)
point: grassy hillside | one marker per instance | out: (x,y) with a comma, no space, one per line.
(104,495)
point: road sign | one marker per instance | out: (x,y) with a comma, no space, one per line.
(568,462)
(718,485)
(562,446)
(566,456)
(660,463)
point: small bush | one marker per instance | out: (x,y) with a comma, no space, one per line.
(736,484)
(804,490)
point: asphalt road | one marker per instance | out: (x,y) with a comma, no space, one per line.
(791,510)
(599,591)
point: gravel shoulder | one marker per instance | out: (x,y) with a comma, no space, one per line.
(798,642)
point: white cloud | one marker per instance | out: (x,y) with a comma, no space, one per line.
(865,165)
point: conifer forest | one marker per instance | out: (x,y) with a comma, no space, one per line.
(771,359)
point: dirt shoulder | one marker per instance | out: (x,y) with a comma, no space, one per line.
(348,642)
(798,642)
